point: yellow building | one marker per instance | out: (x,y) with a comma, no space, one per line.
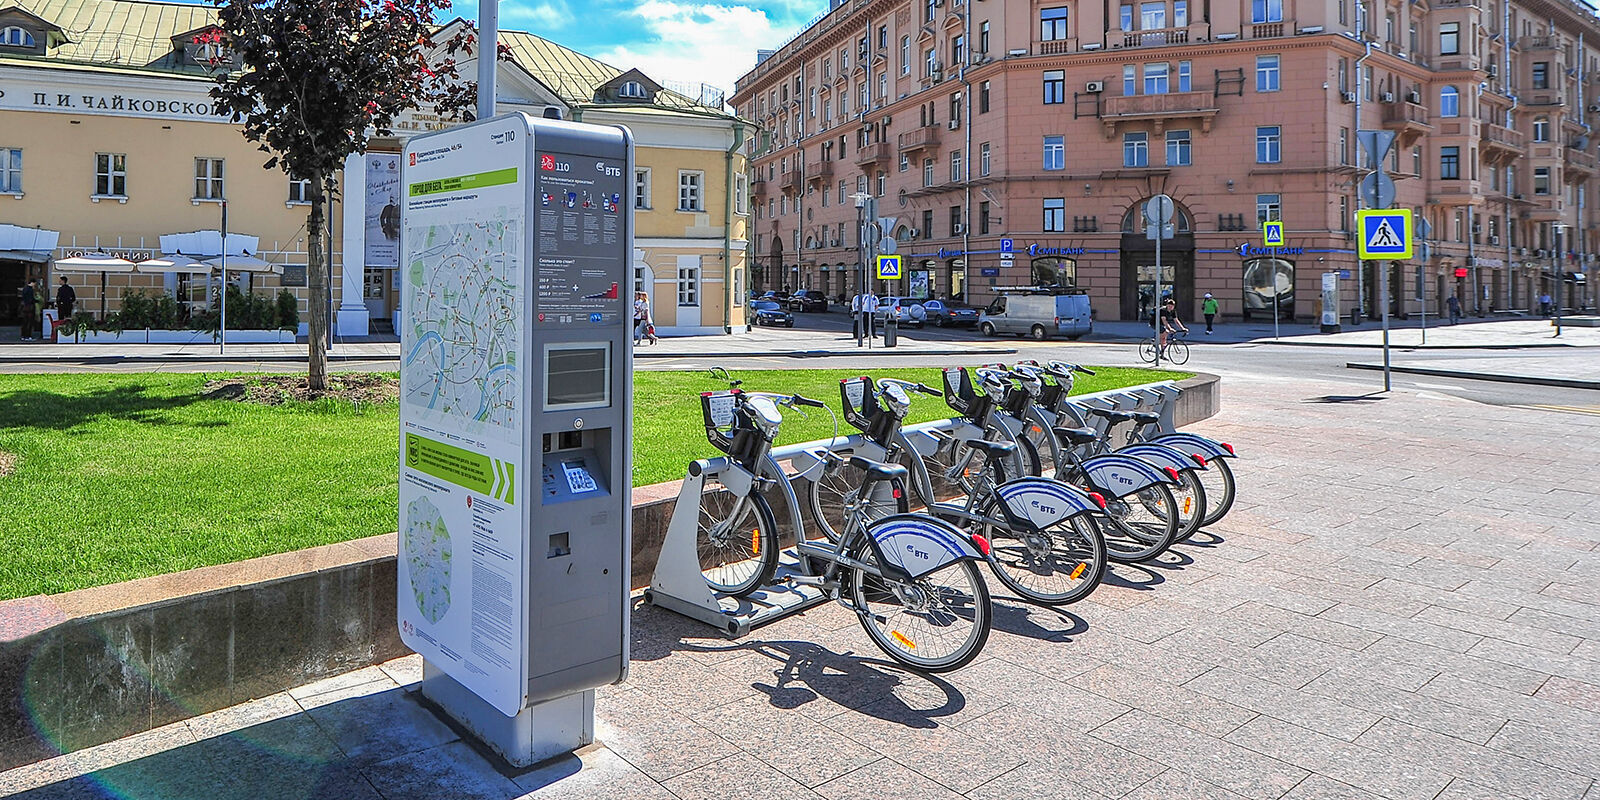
(108,143)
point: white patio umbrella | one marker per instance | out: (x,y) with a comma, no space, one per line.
(244,263)
(173,263)
(94,262)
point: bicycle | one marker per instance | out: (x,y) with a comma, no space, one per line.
(909,578)
(1043,542)
(1176,351)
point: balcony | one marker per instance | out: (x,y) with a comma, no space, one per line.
(1409,120)
(1159,108)
(924,138)
(1267,30)
(1459,192)
(793,180)
(818,171)
(1155,38)
(1543,97)
(875,153)
(1527,43)
(1544,208)
(758,187)
(1580,165)
(1054,48)
(1502,144)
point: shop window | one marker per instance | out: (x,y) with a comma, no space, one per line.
(1061,272)
(1269,280)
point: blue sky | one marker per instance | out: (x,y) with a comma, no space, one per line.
(670,40)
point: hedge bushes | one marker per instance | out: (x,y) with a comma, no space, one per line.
(246,312)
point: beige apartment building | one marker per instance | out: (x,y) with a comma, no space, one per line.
(108,142)
(1014,143)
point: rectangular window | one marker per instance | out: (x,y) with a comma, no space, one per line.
(1130,80)
(1269,144)
(883,37)
(1416,165)
(299,191)
(1449,38)
(1126,17)
(955,166)
(1055,214)
(905,55)
(958,51)
(208,179)
(927,172)
(1153,16)
(930,62)
(983,97)
(931,6)
(688,281)
(1344,146)
(1055,86)
(641,188)
(11,170)
(1052,24)
(1155,78)
(1183,76)
(1180,13)
(1178,148)
(1266,11)
(905,162)
(1269,207)
(1450,163)
(1135,150)
(689,191)
(955,220)
(955,110)
(983,218)
(1266,73)
(1541,74)
(983,159)
(1541,180)
(883,183)
(1055,152)
(983,38)
(741,194)
(927,224)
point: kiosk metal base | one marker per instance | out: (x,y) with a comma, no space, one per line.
(539,732)
(737,615)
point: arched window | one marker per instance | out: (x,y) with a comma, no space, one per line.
(16,37)
(1541,129)
(1449,102)
(631,89)
(1134,222)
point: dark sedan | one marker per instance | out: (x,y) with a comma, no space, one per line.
(945,313)
(769,313)
(808,300)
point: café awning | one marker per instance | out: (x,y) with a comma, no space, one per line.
(94,262)
(244,263)
(173,263)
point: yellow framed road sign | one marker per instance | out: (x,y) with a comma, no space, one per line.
(1384,234)
(888,268)
(1272,233)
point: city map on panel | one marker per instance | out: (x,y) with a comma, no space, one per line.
(464,318)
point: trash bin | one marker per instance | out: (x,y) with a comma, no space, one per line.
(891,331)
(1355,317)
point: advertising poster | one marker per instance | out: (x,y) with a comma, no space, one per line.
(462,561)
(383,210)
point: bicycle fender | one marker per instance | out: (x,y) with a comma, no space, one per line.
(1044,502)
(1120,476)
(913,545)
(1195,443)
(1163,456)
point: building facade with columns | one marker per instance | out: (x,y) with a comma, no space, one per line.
(108,142)
(1013,144)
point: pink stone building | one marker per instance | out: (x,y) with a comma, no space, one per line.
(1041,128)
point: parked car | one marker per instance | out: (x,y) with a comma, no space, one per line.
(768,312)
(1038,315)
(906,311)
(948,312)
(808,300)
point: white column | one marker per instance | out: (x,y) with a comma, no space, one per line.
(351,317)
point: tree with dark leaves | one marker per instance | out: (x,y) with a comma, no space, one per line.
(318,78)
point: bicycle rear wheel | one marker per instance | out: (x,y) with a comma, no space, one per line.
(1190,496)
(1219,486)
(737,540)
(936,623)
(1147,350)
(1060,564)
(1143,524)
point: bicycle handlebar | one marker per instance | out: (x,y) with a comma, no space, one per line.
(884,383)
(1063,366)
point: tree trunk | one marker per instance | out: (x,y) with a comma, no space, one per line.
(317,286)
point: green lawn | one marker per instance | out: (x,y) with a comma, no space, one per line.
(124,476)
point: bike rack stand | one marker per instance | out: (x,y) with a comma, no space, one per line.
(679,586)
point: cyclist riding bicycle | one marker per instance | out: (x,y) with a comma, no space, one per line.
(1169,323)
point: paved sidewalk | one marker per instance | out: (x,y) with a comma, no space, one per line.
(1402,605)
(1574,373)
(1515,333)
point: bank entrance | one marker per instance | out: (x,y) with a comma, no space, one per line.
(1138,284)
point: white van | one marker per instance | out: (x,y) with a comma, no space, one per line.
(1038,313)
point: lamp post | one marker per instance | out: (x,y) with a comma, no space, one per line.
(1555,274)
(222,289)
(864,217)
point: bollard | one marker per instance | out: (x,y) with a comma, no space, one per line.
(891,331)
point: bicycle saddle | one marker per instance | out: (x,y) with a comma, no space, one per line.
(1115,416)
(992,448)
(1075,436)
(1145,417)
(877,470)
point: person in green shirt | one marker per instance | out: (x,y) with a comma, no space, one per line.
(1208,307)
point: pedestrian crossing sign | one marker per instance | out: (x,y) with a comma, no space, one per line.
(1383,234)
(1272,233)
(888,268)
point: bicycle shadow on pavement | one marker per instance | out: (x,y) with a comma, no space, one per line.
(1019,617)
(1137,577)
(1369,397)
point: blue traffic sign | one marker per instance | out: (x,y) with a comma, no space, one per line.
(1272,233)
(888,267)
(1005,246)
(1383,234)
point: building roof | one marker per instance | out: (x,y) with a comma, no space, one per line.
(123,33)
(576,77)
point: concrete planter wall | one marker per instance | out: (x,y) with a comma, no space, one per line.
(94,665)
(148,336)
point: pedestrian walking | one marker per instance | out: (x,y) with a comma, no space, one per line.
(66,298)
(1208,307)
(1544,304)
(1453,305)
(29,311)
(642,327)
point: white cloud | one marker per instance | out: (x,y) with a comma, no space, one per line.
(698,42)
(535,17)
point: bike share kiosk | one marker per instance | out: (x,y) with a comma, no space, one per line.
(516,425)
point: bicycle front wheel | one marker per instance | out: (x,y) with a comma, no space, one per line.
(1060,564)
(737,540)
(936,623)
(834,494)
(1143,524)
(1178,351)
(1190,496)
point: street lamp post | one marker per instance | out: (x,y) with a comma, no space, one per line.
(865,217)
(1555,274)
